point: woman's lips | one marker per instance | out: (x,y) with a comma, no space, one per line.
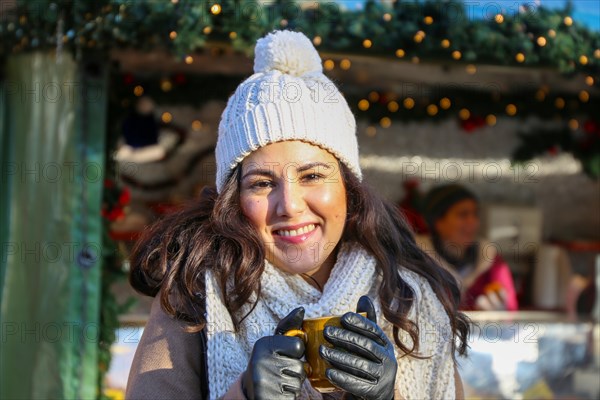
(295,236)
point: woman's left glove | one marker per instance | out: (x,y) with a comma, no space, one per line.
(363,357)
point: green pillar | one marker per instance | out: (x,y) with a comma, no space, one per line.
(52,131)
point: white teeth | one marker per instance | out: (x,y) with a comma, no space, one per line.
(296,232)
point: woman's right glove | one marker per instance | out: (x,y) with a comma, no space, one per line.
(275,370)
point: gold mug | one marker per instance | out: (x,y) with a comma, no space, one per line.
(312,336)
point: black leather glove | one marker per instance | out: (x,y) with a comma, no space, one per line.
(362,358)
(275,370)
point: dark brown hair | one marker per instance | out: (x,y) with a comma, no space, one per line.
(213,234)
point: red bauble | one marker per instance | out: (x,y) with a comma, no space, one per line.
(128,79)
(125,197)
(472,123)
(116,214)
(591,127)
(553,150)
(180,79)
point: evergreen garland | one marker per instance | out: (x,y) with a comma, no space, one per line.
(429,30)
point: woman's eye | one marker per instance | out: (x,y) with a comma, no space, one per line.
(261,184)
(312,177)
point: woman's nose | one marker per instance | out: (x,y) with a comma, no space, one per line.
(290,199)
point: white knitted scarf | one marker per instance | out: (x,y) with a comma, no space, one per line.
(353,275)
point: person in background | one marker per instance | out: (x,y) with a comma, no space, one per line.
(452,213)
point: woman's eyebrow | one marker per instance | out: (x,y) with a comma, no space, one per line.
(313,165)
(302,168)
(264,172)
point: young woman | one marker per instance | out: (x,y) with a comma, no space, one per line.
(452,213)
(291,232)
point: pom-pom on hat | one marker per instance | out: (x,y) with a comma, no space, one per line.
(287,98)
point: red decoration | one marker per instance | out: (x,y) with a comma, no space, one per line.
(125,197)
(472,123)
(591,127)
(116,214)
(553,150)
(128,79)
(180,79)
(410,206)
(115,200)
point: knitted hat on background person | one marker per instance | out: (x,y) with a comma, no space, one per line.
(439,200)
(287,98)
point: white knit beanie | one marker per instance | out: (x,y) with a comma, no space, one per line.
(287,98)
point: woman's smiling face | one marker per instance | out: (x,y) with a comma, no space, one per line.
(293,193)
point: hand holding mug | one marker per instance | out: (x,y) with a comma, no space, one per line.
(362,357)
(275,369)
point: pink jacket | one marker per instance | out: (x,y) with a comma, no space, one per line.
(498,272)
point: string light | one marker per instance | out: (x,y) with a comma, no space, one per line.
(568,21)
(584,96)
(559,103)
(345,64)
(499,18)
(317,40)
(206,30)
(385,122)
(428,20)
(408,103)
(540,95)
(471,69)
(573,124)
(196,125)
(415,60)
(367,44)
(419,36)
(232,35)
(371,131)
(520,57)
(166,85)
(583,60)
(432,109)
(173,35)
(363,105)
(387,17)
(138,90)
(189,60)
(541,41)
(589,80)
(456,55)
(445,103)
(445,43)
(552,33)
(215,9)
(597,53)
(328,65)
(393,106)
(490,120)
(166,117)
(464,114)
(373,96)
(511,109)
(400,53)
